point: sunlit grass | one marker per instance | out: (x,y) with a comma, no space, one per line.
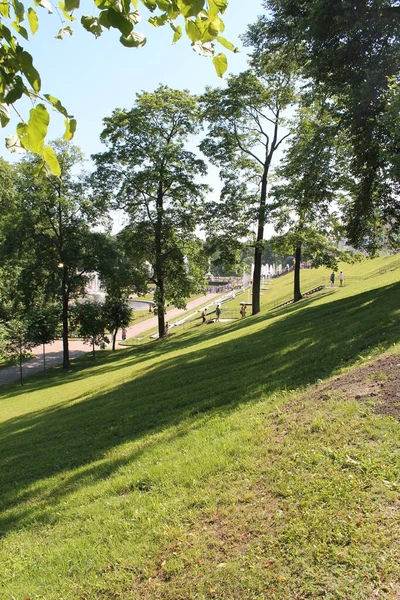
(202,466)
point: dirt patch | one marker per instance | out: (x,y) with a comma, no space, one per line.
(378,381)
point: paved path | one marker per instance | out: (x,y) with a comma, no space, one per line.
(54,354)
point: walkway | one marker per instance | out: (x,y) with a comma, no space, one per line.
(54,355)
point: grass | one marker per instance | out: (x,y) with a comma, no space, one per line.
(205,466)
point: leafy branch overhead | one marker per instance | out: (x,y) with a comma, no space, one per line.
(202,24)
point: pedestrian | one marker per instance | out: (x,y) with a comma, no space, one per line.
(217,313)
(332,278)
(204,315)
(124,334)
(243,310)
(166,327)
(341,278)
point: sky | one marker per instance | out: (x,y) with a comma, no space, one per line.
(93,76)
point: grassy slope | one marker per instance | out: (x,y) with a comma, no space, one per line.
(191,468)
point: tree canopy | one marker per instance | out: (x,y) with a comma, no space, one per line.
(147,171)
(350,53)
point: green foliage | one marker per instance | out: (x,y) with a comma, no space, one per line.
(15,339)
(43,323)
(90,322)
(47,244)
(147,171)
(19,77)
(349,56)
(117,315)
(244,132)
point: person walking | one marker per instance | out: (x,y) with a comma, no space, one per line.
(217,313)
(341,279)
(332,278)
(204,315)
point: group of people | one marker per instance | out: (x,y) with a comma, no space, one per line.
(332,278)
(217,314)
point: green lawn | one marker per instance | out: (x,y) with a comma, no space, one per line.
(206,466)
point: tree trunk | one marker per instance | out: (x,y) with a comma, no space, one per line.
(65,298)
(161,309)
(93,350)
(297,258)
(20,364)
(44,357)
(159,265)
(258,248)
(114,338)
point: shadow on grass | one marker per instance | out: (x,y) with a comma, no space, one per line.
(292,352)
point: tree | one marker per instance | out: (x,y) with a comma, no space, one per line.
(50,240)
(117,315)
(349,52)
(227,223)
(148,172)
(310,188)
(15,341)
(244,134)
(90,323)
(43,325)
(19,77)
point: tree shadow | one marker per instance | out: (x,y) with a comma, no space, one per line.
(292,352)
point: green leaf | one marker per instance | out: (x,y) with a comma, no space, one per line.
(92,25)
(5,114)
(213,9)
(119,21)
(190,8)
(192,31)
(27,68)
(33,133)
(5,9)
(158,21)
(177,34)
(14,90)
(70,128)
(50,158)
(224,42)
(19,29)
(103,4)
(64,31)
(33,20)
(64,12)
(133,40)
(71,4)
(220,64)
(19,10)
(44,4)
(221,4)
(57,104)
(151,5)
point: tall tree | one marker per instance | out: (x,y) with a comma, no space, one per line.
(310,178)
(350,52)
(147,171)
(50,239)
(245,131)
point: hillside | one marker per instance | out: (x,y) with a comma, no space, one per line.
(252,459)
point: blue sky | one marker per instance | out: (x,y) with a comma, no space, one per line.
(93,76)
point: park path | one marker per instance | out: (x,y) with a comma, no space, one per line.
(54,355)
